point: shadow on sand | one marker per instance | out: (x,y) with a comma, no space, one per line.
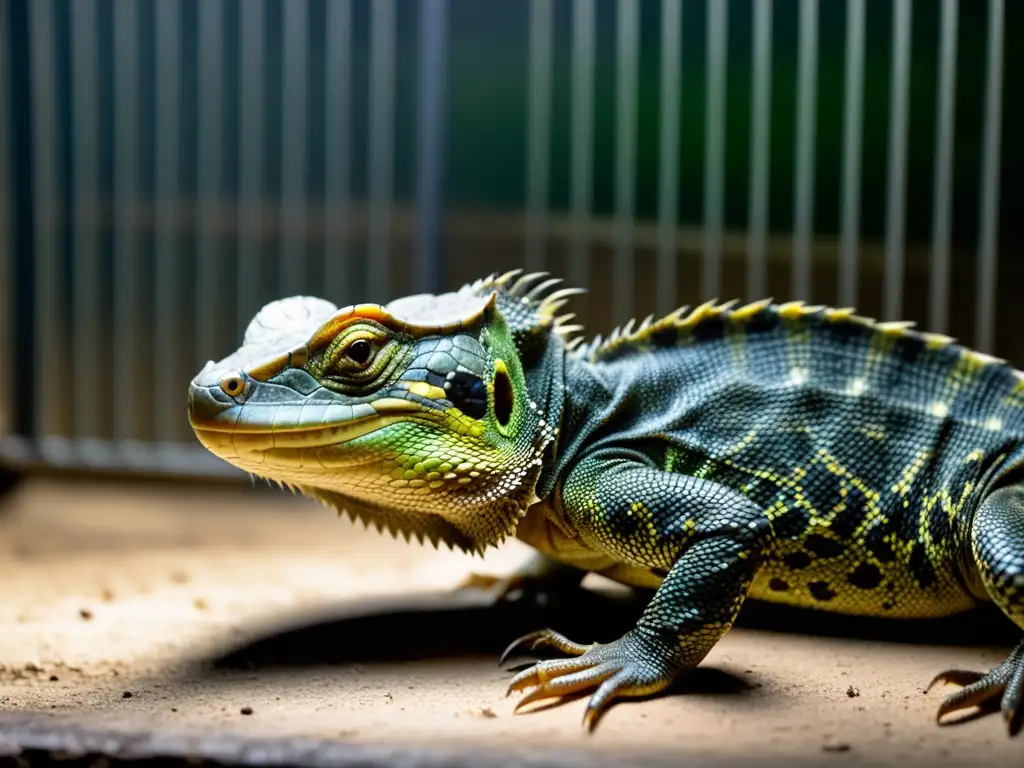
(449,625)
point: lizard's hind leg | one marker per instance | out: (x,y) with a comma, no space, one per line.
(997,549)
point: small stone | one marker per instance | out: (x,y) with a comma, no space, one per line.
(853,692)
(836,747)
(246,710)
(54,678)
(126,695)
(85,613)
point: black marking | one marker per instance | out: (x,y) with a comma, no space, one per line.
(763,321)
(911,348)
(469,394)
(866,576)
(709,329)
(847,521)
(504,397)
(888,605)
(921,567)
(665,337)
(660,572)
(848,330)
(823,547)
(820,590)
(877,546)
(938,527)
(778,585)
(797,560)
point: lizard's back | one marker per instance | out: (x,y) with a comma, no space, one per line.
(866,444)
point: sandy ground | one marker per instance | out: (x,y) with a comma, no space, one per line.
(246,624)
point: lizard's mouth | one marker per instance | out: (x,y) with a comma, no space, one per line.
(309,433)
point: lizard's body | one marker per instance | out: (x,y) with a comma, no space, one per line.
(795,454)
(866,471)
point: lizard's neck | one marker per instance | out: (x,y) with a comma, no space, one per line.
(572,391)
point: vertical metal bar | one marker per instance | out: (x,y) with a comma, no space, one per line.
(250,154)
(85,333)
(166,354)
(803,204)
(760,135)
(381,171)
(628,53)
(896,186)
(292,276)
(209,296)
(853,116)
(582,130)
(337,150)
(44,181)
(538,131)
(714,159)
(938,308)
(986,301)
(126,183)
(7,292)
(430,175)
(668,155)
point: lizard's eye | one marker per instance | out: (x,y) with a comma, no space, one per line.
(359,351)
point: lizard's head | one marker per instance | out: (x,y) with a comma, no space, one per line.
(427,416)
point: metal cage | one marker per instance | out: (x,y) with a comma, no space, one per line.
(168,166)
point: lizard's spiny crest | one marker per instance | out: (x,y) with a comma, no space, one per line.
(529,303)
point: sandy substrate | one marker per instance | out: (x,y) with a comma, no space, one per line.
(247,624)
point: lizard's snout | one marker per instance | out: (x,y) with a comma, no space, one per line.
(214,404)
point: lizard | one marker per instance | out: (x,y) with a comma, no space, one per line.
(792,453)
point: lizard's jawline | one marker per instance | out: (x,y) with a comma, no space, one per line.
(250,444)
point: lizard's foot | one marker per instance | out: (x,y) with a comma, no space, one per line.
(1004,684)
(486,582)
(535,581)
(634,665)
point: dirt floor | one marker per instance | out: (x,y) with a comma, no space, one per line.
(250,625)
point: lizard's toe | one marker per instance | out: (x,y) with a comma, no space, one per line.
(1003,685)
(628,667)
(544,638)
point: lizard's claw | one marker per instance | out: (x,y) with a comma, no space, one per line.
(631,666)
(545,638)
(1004,684)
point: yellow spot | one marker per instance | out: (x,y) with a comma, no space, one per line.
(857,386)
(872,431)
(395,405)
(938,409)
(424,389)
(797,376)
(993,423)
(791,310)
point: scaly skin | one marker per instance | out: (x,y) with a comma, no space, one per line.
(796,454)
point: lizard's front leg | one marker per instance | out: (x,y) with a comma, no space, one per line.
(706,538)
